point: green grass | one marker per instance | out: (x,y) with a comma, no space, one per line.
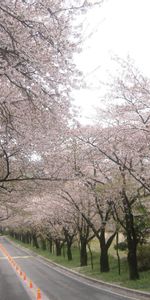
(112,276)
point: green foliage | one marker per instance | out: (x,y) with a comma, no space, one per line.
(143,256)
(142,223)
(122,246)
(141,228)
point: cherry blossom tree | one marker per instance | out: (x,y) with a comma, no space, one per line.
(121,137)
(36,74)
(128,112)
(75,195)
(88,194)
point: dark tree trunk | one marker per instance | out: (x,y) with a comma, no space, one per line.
(16,236)
(69,240)
(104,261)
(23,237)
(28,238)
(58,247)
(117,252)
(132,249)
(50,242)
(83,252)
(132,261)
(69,253)
(43,243)
(35,242)
(64,251)
(130,231)
(50,245)
(131,239)
(53,248)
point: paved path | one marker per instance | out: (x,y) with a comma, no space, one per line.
(54,282)
(11,287)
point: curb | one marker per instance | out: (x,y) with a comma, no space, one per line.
(110,286)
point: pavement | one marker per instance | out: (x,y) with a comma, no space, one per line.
(10,286)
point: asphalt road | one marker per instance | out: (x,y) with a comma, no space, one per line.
(54,282)
(10,286)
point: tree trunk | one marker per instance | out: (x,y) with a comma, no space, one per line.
(117,252)
(131,240)
(50,245)
(91,256)
(35,242)
(28,238)
(58,247)
(132,262)
(50,242)
(23,238)
(69,240)
(104,261)
(43,244)
(83,252)
(69,253)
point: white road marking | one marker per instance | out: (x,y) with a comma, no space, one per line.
(16,257)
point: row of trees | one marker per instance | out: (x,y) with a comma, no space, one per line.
(59,179)
(106,183)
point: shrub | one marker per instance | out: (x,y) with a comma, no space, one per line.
(121,246)
(143,257)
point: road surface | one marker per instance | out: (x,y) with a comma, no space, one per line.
(11,287)
(54,282)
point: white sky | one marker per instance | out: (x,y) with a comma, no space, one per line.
(119,27)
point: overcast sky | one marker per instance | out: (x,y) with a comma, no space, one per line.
(119,27)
